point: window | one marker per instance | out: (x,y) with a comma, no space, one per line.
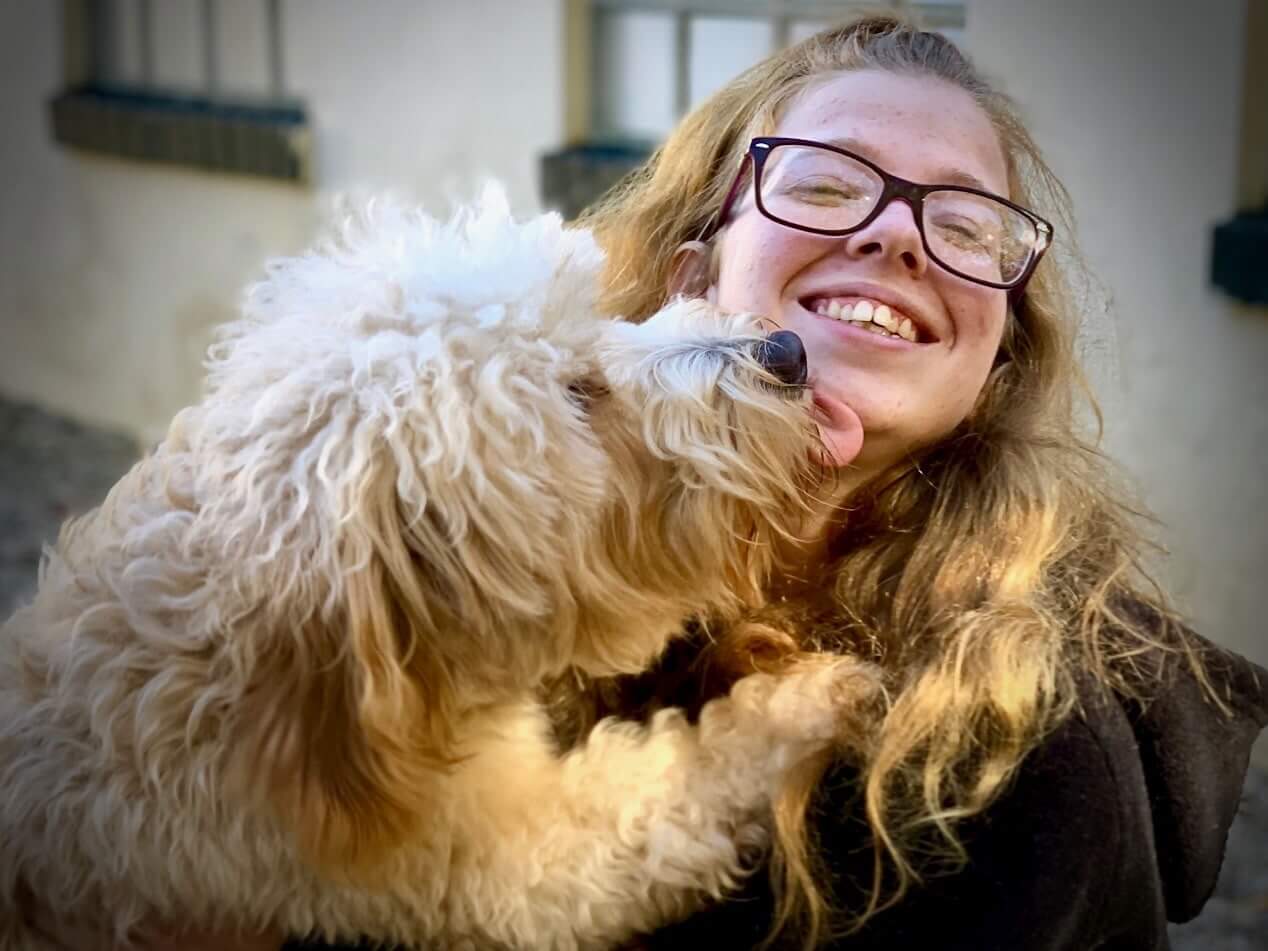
(636,66)
(191,82)
(653,60)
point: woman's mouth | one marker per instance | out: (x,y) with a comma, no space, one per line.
(868,315)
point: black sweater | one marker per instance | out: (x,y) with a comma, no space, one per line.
(1113,826)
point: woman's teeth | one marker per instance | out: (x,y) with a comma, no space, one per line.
(874,317)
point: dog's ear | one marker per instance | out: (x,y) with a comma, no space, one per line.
(349,720)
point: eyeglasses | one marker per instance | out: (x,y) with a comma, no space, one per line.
(826,190)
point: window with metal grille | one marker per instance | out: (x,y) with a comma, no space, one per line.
(635,67)
(653,60)
(190,82)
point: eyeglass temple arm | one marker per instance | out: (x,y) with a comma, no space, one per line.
(1018,291)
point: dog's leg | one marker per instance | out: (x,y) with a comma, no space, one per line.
(629,831)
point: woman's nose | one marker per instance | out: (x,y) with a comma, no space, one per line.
(891,234)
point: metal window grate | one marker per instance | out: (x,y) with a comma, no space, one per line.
(116,102)
(654,61)
(680,22)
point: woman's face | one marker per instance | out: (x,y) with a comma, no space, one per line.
(878,397)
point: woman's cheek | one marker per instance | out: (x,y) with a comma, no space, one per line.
(978,318)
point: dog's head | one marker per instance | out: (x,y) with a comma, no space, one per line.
(705,422)
(446,478)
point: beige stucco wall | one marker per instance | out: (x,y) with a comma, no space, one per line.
(112,272)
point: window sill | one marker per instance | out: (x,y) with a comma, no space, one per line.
(269,139)
(575,177)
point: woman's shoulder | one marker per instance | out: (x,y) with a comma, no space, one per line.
(1042,862)
(1192,736)
(1152,780)
(1112,825)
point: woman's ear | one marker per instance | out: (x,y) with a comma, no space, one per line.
(690,271)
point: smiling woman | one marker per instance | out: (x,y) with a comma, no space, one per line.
(1061,757)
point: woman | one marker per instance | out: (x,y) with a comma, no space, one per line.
(1061,760)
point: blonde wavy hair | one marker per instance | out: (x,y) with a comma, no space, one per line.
(985,572)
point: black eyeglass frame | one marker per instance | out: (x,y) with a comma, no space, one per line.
(760,148)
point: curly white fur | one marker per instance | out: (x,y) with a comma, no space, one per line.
(283,677)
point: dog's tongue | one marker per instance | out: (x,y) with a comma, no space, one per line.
(840,429)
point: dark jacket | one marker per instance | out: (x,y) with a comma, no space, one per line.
(1113,826)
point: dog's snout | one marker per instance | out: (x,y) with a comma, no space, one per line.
(784,356)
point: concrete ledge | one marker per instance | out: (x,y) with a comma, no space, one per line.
(575,177)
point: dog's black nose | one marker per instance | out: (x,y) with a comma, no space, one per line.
(784,356)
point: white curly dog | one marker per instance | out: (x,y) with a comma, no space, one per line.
(283,677)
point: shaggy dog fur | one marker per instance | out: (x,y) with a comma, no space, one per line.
(284,676)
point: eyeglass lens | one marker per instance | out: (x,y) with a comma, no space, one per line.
(972,234)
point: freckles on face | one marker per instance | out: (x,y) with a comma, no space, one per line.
(904,394)
(743,282)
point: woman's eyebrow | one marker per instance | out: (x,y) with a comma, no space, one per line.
(944,176)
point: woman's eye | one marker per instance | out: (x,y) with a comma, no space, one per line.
(965,235)
(826,192)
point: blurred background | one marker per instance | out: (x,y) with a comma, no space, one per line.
(153,153)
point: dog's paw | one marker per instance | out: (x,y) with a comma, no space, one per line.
(815,703)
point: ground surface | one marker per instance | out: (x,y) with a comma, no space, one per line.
(51,468)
